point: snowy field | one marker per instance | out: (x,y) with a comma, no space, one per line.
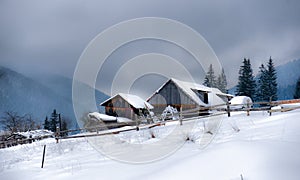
(266,147)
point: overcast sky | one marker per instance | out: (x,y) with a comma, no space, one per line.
(50,35)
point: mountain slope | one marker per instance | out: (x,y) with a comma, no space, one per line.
(24,95)
(288,73)
(287,76)
(63,86)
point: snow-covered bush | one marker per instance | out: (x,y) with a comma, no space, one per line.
(240,102)
(170,112)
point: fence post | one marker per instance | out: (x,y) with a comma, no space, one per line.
(59,120)
(180,116)
(248,107)
(57,134)
(270,111)
(43,156)
(228,108)
(137,123)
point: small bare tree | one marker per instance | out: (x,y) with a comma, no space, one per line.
(11,121)
(28,123)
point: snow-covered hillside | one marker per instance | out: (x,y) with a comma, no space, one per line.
(266,147)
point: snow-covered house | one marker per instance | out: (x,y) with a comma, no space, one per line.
(187,95)
(126,105)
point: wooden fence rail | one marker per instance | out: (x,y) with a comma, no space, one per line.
(146,123)
(198,113)
(14,142)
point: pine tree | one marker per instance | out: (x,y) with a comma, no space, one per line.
(46,123)
(64,127)
(267,83)
(222,82)
(263,85)
(210,78)
(272,80)
(53,121)
(246,83)
(59,121)
(262,92)
(297,90)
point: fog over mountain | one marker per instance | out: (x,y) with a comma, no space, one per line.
(287,76)
(37,97)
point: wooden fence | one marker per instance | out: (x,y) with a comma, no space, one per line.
(13,142)
(150,122)
(198,113)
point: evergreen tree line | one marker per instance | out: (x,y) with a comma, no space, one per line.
(219,82)
(55,122)
(264,88)
(261,89)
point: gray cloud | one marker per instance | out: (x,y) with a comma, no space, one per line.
(50,35)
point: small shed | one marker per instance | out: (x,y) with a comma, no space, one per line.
(126,105)
(186,95)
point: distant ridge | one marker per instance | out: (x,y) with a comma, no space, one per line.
(287,75)
(26,95)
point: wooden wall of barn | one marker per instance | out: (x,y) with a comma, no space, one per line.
(121,108)
(170,94)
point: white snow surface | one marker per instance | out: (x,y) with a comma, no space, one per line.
(294,105)
(36,133)
(104,117)
(170,111)
(240,101)
(266,147)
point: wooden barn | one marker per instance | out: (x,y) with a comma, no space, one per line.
(187,95)
(126,105)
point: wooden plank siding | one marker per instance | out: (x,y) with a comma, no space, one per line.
(171,95)
(121,108)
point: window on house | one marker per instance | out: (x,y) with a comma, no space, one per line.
(203,95)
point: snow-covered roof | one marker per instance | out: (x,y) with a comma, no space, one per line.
(241,100)
(107,118)
(133,100)
(102,117)
(188,87)
(36,133)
